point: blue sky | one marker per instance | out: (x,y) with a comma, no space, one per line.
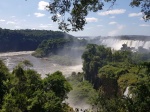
(31,14)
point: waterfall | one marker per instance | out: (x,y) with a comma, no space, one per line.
(127,93)
(117,43)
(7,61)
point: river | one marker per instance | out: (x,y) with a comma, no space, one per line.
(41,65)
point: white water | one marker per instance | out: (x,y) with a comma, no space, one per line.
(15,53)
(79,104)
(42,66)
(117,43)
(127,93)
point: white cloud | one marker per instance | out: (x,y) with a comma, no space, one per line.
(135,14)
(10,22)
(42,5)
(2,20)
(116,31)
(17,27)
(112,17)
(112,23)
(45,25)
(39,14)
(144,25)
(111,12)
(92,19)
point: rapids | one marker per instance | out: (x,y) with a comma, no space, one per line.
(41,65)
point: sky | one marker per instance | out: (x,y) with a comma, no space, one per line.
(122,19)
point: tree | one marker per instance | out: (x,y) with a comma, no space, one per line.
(26,91)
(79,9)
(25,64)
(94,58)
(3,78)
(57,83)
(16,99)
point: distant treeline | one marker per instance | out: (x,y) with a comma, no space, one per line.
(26,40)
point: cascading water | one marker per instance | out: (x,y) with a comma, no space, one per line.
(116,43)
(127,93)
(7,61)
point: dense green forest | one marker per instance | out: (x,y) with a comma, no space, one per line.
(24,90)
(106,76)
(111,72)
(26,40)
